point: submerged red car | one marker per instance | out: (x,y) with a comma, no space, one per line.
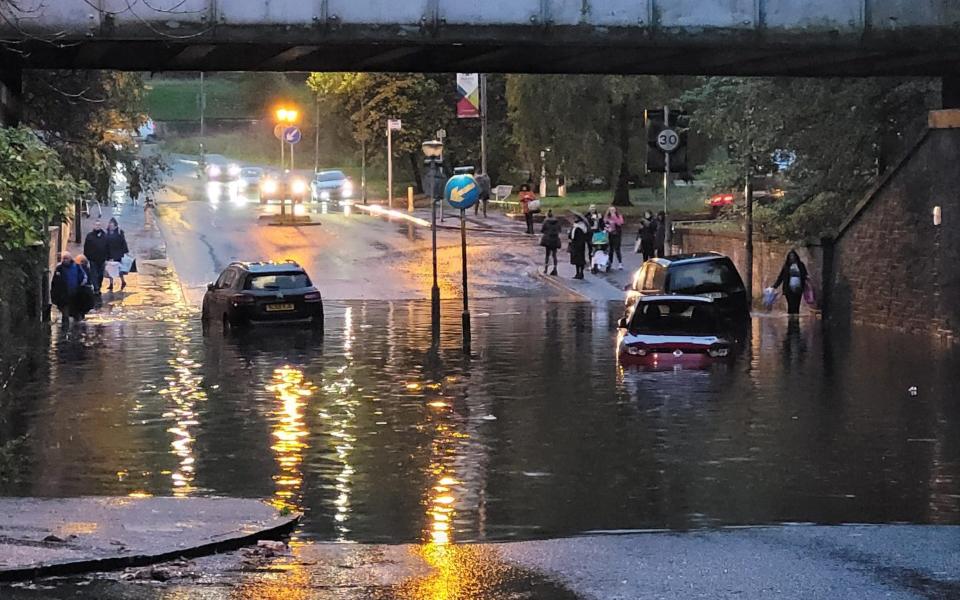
(673,331)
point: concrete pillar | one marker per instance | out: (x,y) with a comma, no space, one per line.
(11,90)
(950,92)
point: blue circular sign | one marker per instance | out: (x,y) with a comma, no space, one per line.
(462,191)
(291,135)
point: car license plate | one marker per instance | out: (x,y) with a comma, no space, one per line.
(279,307)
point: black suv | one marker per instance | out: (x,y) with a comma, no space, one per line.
(707,274)
(248,292)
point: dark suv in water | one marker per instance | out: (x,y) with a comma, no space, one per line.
(708,274)
(265,292)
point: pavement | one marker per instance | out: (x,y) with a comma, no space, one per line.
(898,562)
(43,537)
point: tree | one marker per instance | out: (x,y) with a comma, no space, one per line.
(35,188)
(88,117)
(827,138)
(593,124)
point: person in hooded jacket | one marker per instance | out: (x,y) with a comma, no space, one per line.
(550,240)
(66,286)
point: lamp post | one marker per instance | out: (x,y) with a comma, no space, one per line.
(288,117)
(433,151)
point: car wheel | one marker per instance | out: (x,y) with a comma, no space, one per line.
(205,312)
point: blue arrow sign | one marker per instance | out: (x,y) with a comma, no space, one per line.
(291,135)
(462,191)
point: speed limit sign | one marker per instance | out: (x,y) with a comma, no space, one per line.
(668,140)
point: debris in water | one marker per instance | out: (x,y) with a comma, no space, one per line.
(913,391)
(489,418)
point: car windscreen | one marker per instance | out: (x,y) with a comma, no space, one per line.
(330,176)
(675,318)
(704,277)
(276,281)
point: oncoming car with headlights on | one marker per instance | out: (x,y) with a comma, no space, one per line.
(331,186)
(278,188)
(668,332)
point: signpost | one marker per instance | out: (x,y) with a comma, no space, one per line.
(278,133)
(392,125)
(462,192)
(292,135)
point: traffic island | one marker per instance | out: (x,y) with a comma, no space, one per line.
(288,221)
(42,537)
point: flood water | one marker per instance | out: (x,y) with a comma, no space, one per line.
(538,433)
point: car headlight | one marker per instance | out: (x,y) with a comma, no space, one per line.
(636,351)
(269,187)
(213,171)
(233,170)
(298,186)
(324,195)
(347,189)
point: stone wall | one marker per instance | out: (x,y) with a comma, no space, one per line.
(768,255)
(892,266)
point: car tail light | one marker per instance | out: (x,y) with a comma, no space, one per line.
(312,297)
(719,351)
(637,350)
(239,299)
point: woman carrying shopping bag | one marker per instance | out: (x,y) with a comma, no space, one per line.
(117,249)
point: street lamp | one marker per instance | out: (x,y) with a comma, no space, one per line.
(433,151)
(285,116)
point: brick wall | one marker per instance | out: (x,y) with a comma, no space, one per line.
(892,266)
(768,256)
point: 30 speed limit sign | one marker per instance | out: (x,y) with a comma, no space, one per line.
(668,140)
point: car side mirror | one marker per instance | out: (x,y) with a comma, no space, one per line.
(211,287)
(627,287)
(622,323)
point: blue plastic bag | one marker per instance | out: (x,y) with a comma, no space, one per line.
(770,296)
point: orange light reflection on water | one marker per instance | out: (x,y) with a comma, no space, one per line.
(291,389)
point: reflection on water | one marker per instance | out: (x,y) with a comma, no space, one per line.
(376,437)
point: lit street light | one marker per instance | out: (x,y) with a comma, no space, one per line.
(285,117)
(433,150)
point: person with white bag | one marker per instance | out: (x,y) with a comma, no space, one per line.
(117,251)
(530,205)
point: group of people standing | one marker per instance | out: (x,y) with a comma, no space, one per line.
(594,239)
(77,281)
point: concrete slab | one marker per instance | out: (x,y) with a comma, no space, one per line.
(43,537)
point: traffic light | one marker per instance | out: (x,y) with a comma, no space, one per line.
(662,137)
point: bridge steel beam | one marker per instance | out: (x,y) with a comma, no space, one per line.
(818,37)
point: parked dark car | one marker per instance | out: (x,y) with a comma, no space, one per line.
(709,274)
(331,185)
(669,332)
(263,292)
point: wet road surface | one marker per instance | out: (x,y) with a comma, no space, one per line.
(537,434)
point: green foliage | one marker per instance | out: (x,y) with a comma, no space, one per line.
(841,133)
(34,188)
(87,117)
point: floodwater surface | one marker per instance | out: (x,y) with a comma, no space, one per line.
(538,433)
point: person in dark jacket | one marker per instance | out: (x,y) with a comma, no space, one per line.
(579,237)
(647,234)
(550,240)
(483,182)
(594,224)
(116,248)
(793,278)
(95,249)
(65,288)
(660,235)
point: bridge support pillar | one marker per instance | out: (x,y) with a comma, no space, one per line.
(950,92)
(11,90)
